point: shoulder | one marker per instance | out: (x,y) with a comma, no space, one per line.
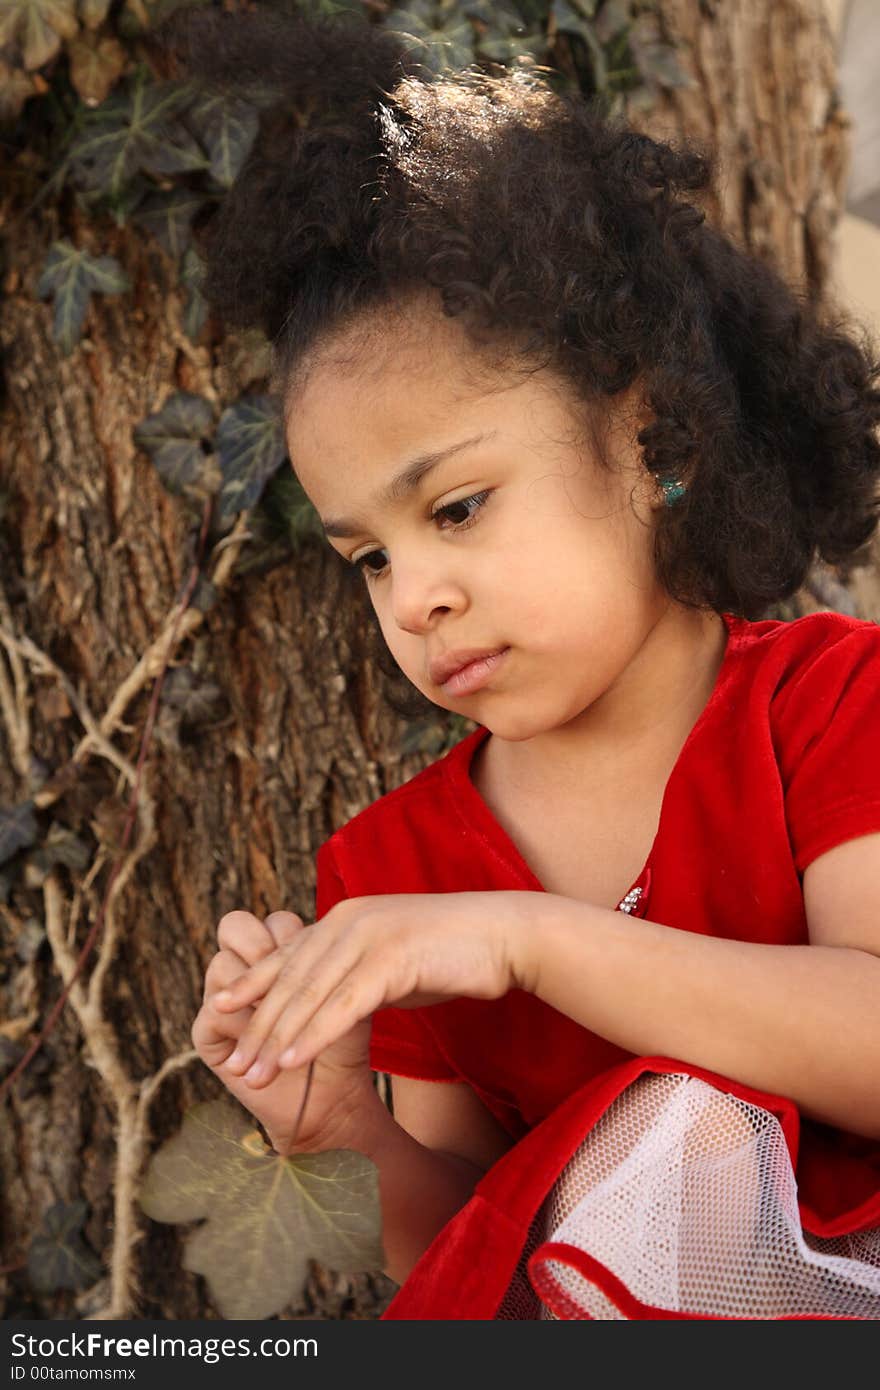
(823,696)
(823,651)
(423,796)
(791,661)
(802,639)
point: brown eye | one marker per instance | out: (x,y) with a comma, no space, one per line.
(363,562)
(478,498)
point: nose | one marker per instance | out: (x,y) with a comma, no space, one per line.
(422,588)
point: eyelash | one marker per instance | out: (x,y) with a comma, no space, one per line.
(478,497)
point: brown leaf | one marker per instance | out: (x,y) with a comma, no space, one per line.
(266,1217)
(95,65)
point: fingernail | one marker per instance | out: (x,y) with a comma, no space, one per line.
(224,996)
(288,1057)
(255,1072)
(236,1059)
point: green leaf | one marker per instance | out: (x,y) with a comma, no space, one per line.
(660,62)
(293,508)
(173,438)
(58,1257)
(572,16)
(18,829)
(445,38)
(61,846)
(135,130)
(169,217)
(265,1217)
(227,130)
(251,447)
(105,274)
(137,16)
(196,310)
(505,35)
(39,26)
(70,276)
(613,18)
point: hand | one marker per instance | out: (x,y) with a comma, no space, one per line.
(405,949)
(342,1082)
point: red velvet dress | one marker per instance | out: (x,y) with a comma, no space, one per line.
(603,1207)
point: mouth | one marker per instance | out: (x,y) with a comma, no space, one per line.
(474,675)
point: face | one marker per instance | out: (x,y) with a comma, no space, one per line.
(517,538)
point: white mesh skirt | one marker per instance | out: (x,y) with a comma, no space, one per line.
(662,1190)
(682,1202)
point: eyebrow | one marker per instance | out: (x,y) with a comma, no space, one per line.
(403,483)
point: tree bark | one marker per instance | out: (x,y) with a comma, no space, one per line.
(299,737)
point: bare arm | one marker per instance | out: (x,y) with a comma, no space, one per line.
(798,1021)
(423,1185)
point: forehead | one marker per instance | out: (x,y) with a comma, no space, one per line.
(389,389)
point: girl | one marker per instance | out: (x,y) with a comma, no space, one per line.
(620,948)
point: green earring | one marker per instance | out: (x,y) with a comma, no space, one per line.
(673,490)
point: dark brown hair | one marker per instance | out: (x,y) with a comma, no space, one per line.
(551,228)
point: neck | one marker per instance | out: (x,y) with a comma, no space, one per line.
(638,725)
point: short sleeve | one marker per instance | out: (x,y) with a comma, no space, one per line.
(401,1041)
(829,746)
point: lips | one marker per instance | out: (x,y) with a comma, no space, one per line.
(445,666)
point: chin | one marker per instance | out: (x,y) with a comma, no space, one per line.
(514,728)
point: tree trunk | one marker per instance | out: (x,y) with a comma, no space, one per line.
(297,738)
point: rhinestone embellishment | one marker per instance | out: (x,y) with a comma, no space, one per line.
(629,903)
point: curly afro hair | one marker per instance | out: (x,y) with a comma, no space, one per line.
(560,234)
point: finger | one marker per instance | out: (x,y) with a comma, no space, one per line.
(267,1011)
(214,1036)
(299,976)
(252,938)
(253,983)
(356,997)
(283,1014)
(284,926)
(224,969)
(280,929)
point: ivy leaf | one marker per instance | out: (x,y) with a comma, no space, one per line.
(572,16)
(196,312)
(332,7)
(614,17)
(445,33)
(266,1216)
(61,846)
(135,130)
(18,829)
(293,508)
(173,438)
(137,16)
(15,88)
(227,130)
(95,65)
(660,62)
(93,12)
(251,447)
(502,33)
(39,26)
(58,1257)
(70,276)
(656,60)
(169,216)
(198,701)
